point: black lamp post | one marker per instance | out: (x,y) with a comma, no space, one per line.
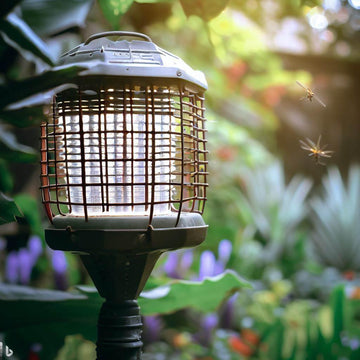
(123,172)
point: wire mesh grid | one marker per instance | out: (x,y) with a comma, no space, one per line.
(134,150)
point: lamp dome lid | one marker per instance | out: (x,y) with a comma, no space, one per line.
(131,59)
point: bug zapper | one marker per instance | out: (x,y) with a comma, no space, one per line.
(124,171)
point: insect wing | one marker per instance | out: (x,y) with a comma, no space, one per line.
(319,100)
(304,145)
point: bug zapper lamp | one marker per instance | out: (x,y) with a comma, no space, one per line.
(123,172)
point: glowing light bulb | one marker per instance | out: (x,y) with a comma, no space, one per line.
(124,155)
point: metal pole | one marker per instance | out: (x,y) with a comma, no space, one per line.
(119,331)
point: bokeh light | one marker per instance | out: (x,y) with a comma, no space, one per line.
(318,21)
(332,5)
(355,4)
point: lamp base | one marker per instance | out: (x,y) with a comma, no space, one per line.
(119,331)
(119,255)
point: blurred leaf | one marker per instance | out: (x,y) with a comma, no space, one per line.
(20,36)
(24,117)
(29,206)
(293,351)
(7,5)
(6,181)
(31,316)
(206,9)
(8,210)
(336,228)
(337,300)
(49,17)
(114,9)
(204,296)
(11,150)
(19,90)
(76,348)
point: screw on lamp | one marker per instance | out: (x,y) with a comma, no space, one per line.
(123,172)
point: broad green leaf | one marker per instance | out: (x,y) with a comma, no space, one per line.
(8,210)
(29,206)
(206,9)
(204,296)
(6,180)
(31,316)
(45,316)
(7,5)
(13,151)
(22,306)
(23,117)
(114,9)
(49,17)
(20,36)
(19,90)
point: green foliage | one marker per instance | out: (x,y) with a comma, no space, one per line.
(8,209)
(13,151)
(19,90)
(19,35)
(24,116)
(336,225)
(304,335)
(272,209)
(114,9)
(29,207)
(49,17)
(76,348)
(204,296)
(6,181)
(47,316)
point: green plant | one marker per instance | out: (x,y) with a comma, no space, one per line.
(272,212)
(336,226)
(321,339)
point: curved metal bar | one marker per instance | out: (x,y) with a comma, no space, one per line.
(118,33)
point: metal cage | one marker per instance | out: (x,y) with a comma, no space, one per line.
(122,148)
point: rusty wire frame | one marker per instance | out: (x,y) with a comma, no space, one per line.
(128,150)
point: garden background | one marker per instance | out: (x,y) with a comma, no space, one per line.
(278,277)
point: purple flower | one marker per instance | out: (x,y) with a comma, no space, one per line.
(207,264)
(152,328)
(19,264)
(171,265)
(58,261)
(25,265)
(35,247)
(224,250)
(59,264)
(207,326)
(12,267)
(186,261)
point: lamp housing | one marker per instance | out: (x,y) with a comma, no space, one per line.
(124,171)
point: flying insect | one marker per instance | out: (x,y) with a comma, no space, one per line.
(310,95)
(316,150)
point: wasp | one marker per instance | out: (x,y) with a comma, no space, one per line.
(316,150)
(310,95)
